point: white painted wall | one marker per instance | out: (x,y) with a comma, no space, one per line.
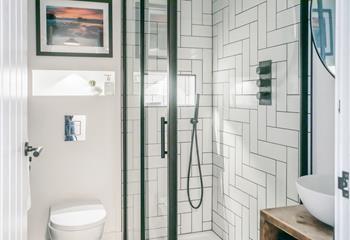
(90,169)
(323,118)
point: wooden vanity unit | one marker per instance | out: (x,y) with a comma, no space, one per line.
(292,223)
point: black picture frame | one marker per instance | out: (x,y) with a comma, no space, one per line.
(40,52)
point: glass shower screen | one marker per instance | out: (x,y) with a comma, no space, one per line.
(156,90)
(151,110)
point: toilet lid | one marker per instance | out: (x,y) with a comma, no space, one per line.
(77,215)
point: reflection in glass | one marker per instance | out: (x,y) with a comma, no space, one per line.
(323,31)
(156,89)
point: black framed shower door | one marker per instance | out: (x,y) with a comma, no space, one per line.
(149,119)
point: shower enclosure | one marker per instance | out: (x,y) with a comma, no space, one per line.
(248,153)
(150,30)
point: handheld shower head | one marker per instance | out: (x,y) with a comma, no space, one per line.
(196,111)
(194,143)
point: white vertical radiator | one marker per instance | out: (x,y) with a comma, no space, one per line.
(13,120)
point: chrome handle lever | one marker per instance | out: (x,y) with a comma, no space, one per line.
(36,151)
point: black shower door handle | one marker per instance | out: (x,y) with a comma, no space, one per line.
(162,137)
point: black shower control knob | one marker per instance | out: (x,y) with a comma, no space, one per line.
(258,83)
(258,95)
(262,95)
(263,83)
(263,70)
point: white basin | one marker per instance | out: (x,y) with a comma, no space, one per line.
(317,194)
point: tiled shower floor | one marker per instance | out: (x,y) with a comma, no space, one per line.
(200,236)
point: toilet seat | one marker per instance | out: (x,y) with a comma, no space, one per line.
(77,215)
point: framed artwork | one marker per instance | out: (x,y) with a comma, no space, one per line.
(81,28)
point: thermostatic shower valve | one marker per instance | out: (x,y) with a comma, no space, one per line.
(264,83)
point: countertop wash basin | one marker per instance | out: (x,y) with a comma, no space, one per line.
(317,194)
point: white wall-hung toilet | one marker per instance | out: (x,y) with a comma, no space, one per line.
(77,220)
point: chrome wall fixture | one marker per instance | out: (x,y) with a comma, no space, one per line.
(74,128)
(32,151)
(264,82)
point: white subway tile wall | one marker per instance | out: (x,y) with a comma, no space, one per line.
(262,141)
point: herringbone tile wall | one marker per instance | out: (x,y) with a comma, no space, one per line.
(255,161)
